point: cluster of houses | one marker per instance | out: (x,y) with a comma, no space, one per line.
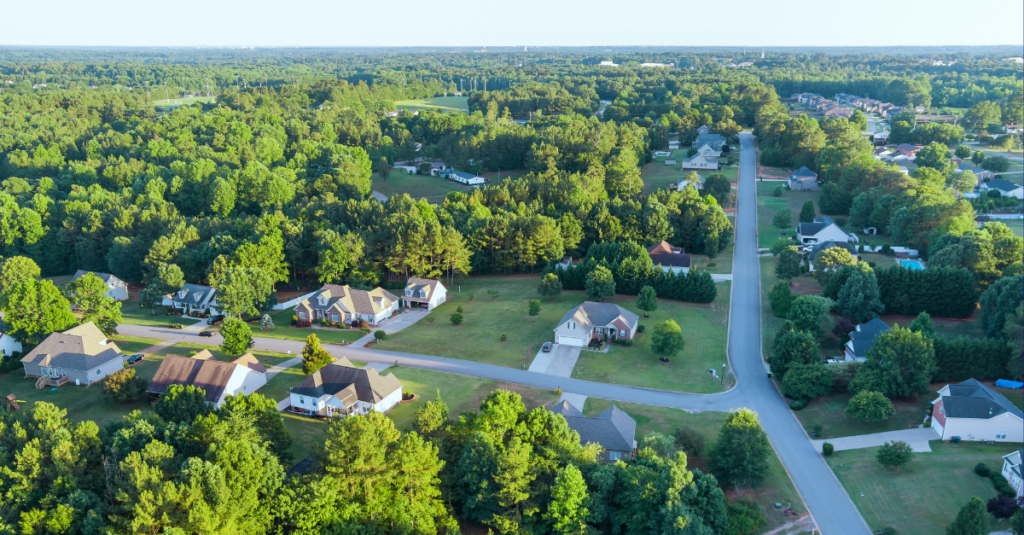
(886,110)
(709,148)
(822,105)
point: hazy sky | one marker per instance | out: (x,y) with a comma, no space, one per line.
(523,22)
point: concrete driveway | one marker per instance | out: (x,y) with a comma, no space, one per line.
(558,362)
(917,438)
(403,320)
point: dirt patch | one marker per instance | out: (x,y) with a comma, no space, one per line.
(805,285)
(773,172)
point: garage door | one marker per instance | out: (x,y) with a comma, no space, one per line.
(570,341)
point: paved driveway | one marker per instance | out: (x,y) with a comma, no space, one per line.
(559,362)
(917,438)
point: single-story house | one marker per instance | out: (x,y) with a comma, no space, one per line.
(468,179)
(708,151)
(669,257)
(340,389)
(982,174)
(822,229)
(973,411)
(838,112)
(193,298)
(803,179)
(907,149)
(813,250)
(1005,188)
(613,430)
(862,339)
(8,344)
(716,141)
(1011,471)
(82,354)
(117,289)
(341,304)
(880,138)
(218,379)
(592,320)
(700,162)
(423,293)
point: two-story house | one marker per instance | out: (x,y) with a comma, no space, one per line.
(803,180)
(193,299)
(593,320)
(822,229)
(423,293)
(1011,471)
(117,289)
(697,161)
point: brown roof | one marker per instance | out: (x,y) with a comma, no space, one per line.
(664,247)
(249,361)
(667,255)
(83,348)
(201,371)
(350,300)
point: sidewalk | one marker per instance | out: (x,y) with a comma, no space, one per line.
(917,438)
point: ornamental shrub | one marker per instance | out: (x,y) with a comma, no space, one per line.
(798,404)
(982,470)
(827,449)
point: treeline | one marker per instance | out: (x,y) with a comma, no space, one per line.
(940,291)
(187,468)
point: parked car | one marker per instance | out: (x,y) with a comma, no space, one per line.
(135,358)
(206,333)
(546,347)
(215,320)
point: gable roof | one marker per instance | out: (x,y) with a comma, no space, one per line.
(976,170)
(105,277)
(613,429)
(667,255)
(463,174)
(348,384)
(202,371)
(81,348)
(591,313)
(710,139)
(350,300)
(1014,460)
(194,294)
(819,224)
(971,399)
(804,172)
(863,338)
(700,157)
(416,284)
(1001,185)
(813,252)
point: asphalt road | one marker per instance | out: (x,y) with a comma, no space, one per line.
(829,505)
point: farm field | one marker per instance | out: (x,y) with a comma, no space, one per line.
(777,487)
(919,499)
(437,103)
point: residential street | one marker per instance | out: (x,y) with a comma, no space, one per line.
(831,508)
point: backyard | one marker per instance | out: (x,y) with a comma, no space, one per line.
(777,487)
(921,497)
(768,205)
(435,103)
(432,188)
(705,329)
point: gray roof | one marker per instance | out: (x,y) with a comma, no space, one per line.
(709,159)
(1014,460)
(828,245)
(710,139)
(591,313)
(105,277)
(613,429)
(462,174)
(1001,185)
(804,172)
(81,348)
(973,169)
(417,284)
(191,291)
(334,379)
(863,339)
(971,399)
(810,229)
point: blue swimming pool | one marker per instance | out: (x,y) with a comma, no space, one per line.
(911,264)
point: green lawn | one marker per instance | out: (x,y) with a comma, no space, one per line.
(1016,225)
(925,495)
(830,413)
(657,175)
(134,344)
(705,330)
(720,264)
(442,103)
(777,488)
(431,188)
(283,330)
(133,314)
(768,205)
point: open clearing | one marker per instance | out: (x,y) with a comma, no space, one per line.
(924,496)
(441,103)
(431,188)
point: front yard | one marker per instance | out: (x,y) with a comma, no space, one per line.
(283,330)
(924,496)
(705,330)
(830,413)
(768,205)
(132,313)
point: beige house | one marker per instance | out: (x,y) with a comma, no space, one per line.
(218,379)
(82,354)
(425,293)
(341,304)
(592,320)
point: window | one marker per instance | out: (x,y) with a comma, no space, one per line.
(614,455)
(1000,434)
(98,372)
(622,332)
(302,315)
(302,400)
(334,318)
(572,325)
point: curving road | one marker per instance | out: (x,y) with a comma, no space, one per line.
(829,505)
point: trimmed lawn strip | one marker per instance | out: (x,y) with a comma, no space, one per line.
(134,344)
(133,314)
(924,496)
(432,188)
(830,413)
(283,330)
(777,487)
(705,329)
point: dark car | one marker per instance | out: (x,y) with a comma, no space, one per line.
(546,347)
(135,358)
(206,333)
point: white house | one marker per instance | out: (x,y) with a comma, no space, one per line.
(691,179)
(862,339)
(342,304)
(339,389)
(973,411)
(423,293)
(700,162)
(669,258)
(193,298)
(595,320)
(1011,471)
(82,354)
(218,379)
(8,344)
(1005,188)
(822,229)
(117,289)
(468,179)
(813,250)
(708,151)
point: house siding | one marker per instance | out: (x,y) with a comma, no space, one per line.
(831,232)
(119,293)
(1012,478)
(574,337)
(979,429)
(243,381)
(388,402)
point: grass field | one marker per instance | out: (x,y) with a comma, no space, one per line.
(431,188)
(924,496)
(777,488)
(283,330)
(175,102)
(830,413)
(1016,225)
(656,175)
(134,344)
(705,329)
(435,103)
(767,206)
(133,314)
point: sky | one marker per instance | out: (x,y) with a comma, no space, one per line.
(480,23)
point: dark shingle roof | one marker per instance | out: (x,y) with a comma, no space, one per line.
(864,338)
(971,399)
(1001,185)
(813,253)
(804,172)
(599,314)
(105,277)
(613,429)
(814,227)
(333,379)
